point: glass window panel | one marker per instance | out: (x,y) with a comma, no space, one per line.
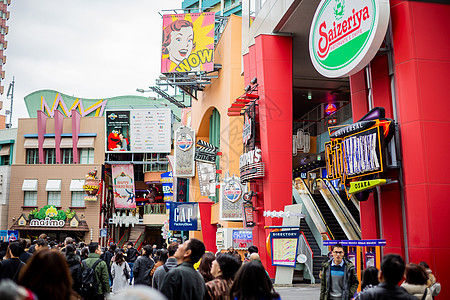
(54,198)
(30,198)
(78,199)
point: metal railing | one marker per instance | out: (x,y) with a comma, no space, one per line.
(139,241)
(305,249)
(124,238)
(155,209)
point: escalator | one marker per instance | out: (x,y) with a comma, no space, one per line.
(318,258)
(337,233)
(354,211)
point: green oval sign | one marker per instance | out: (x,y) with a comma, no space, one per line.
(345,35)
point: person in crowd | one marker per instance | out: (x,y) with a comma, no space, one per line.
(254,256)
(224,267)
(160,272)
(3,249)
(101,271)
(32,248)
(9,290)
(339,279)
(10,267)
(41,244)
(24,256)
(140,292)
(369,278)
(74,263)
(432,284)
(143,266)
(120,272)
(107,256)
(252,249)
(47,275)
(252,283)
(205,266)
(68,240)
(416,282)
(132,255)
(157,256)
(154,248)
(184,282)
(391,273)
(84,253)
(164,255)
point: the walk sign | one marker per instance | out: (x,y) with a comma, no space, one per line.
(359,186)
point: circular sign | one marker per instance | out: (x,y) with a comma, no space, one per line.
(184,141)
(330,109)
(346,34)
(232,191)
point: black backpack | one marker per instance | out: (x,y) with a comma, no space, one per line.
(89,286)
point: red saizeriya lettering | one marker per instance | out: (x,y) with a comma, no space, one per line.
(340,30)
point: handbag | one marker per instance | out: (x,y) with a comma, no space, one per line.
(435,289)
(125,272)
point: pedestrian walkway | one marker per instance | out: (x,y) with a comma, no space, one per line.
(299,292)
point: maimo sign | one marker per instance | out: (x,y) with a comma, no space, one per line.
(346,34)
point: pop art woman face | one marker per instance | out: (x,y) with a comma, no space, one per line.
(178,40)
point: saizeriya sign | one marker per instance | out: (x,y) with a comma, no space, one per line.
(346,34)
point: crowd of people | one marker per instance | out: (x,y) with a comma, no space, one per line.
(61,271)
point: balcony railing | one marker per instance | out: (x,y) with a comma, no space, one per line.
(155,209)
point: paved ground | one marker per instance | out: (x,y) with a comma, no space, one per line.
(299,292)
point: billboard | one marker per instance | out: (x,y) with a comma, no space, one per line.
(139,130)
(123,186)
(188,42)
(184,151)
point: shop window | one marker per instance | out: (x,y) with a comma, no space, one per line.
(50,156)
(67,157)
(160,162)
(54,198)
(32,156)
(5,161)
(86,156)
(78,199)
(30,198)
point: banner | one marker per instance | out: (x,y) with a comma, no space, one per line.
(139,130)
(188,43)
(183,216)
(123,186)
(284,247)
(184,152)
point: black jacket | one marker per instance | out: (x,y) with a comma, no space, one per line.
(351,281)
(74,262)
(107,258)
(10,268)
(132,255)
(385,292)
(184,283)
(141,270)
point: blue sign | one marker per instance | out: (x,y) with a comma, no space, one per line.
(167,185)
(371,243)
(13,235)
(4,235)
(284,247)
(183,216)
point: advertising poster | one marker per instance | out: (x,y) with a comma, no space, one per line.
(183,216)
(284,247)
(13,235)
(207,178)
(242,239)
(230,200)
(139,130)
(123,186)
(167,185)
(184,152)
(188,42)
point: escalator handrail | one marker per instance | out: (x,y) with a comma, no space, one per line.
(317,210)
(349,218)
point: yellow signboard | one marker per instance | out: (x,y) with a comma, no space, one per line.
(359,186)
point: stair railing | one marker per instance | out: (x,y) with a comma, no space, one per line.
(139,241)
(124,238)
(305,249)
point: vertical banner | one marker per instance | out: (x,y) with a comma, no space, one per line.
(231,199)
(284,247)
(183,216)
(188,42)
(123,186)
(248,214)
(167,185)
(184,152)
(207,178)
(182,190)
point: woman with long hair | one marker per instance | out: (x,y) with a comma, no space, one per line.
(252,283)
(119,271)
(143,267)
(224,267)
(205,266)
(47,275)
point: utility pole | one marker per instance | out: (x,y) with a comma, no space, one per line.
(10,96)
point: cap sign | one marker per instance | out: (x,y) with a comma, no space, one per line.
(346,34)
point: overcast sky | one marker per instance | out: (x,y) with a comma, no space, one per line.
(84,48)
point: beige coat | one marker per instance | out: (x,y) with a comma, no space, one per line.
(417,290)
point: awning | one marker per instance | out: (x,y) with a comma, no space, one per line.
(31,143)
(49,143)
(4,150)
(76,185)
(30,185)
(53,185)
(66,143)
(86,142)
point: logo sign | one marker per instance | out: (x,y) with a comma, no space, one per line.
(188,42)
(346,34)
(183,216)
(330,109)
(123,186)
(247,129)
(284,247)
(248,214)
(232,191)
(359,186)
(184,152)
(47,222)
(250,165)
(205,152)
(242,239)
(139,130)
